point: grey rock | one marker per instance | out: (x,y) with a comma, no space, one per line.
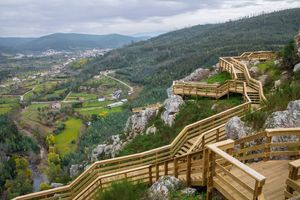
(254,71)
(277,84)
(296,67)
(235,128)
(96,152)
(137,123)
(172,106)
(56,185)
(197,75)
(161,189)
(188,191)
(263,79)
(74,170)
(289,118)
(151,130)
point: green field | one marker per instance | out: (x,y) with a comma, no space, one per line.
(31,112)
(66,141)
(6,104)
(98,111)
(84,96)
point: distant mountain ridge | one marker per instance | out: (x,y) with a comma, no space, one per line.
(65,41)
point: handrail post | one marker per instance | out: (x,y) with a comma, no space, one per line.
(166,167)
(176,167)
(150,175)
(267,149)
(156,171)
(188,170)
(258,190)
(293,175)
(211,173)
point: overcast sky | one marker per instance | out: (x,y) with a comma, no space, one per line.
(40,17)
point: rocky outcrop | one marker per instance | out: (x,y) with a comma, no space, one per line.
(109,149)
(56,185)
(235,129)
(137,123)
(197,75)
(288,118)
(172,107)
(161,189)
(74,170)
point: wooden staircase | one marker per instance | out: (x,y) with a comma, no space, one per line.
(185,148)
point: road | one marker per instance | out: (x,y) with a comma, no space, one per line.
(130,88)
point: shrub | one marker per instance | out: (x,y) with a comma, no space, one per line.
(123,190)
(44,186)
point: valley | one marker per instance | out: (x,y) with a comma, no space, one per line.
(76,107)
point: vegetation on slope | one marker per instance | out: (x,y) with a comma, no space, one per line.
(288,91)
(155,63)
(192,111)
(14,170)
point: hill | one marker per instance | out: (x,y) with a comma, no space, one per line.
(66,41)
(155,63)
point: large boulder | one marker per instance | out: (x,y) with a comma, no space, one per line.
(137,123)
(161,189)
(235,129)
(172,106)
(296,68)
(289,118)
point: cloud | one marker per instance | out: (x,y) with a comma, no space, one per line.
(35,17)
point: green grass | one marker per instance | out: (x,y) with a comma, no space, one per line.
(4,110)
(85,96)
(98,111)
(218,78)
(89,104)
(65,141)
(7,104)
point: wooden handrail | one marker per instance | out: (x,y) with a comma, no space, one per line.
(215,148)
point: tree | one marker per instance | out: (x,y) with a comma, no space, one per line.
(22,184)
(289,56)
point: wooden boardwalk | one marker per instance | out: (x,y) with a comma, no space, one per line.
(196,156)
(276,173)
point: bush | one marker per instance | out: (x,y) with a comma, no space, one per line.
(44,186)
(123,190)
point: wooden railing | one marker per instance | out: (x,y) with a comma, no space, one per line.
(210,130)
(221,176)
(208,90)
(258,55)
(293,181)
(235,63)
(265,148)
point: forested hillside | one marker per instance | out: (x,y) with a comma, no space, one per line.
(155,63)
(65,41)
